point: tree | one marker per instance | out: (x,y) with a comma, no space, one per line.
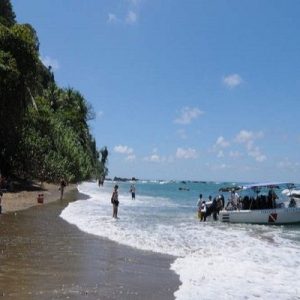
(18,60)
(7,16)
(44,128)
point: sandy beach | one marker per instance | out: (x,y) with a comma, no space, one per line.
(44,257)
(24,199)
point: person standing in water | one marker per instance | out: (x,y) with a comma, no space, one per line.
(199,206)
(115,201)
(203,211)
(132,191)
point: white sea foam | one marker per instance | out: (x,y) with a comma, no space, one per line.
(214,260)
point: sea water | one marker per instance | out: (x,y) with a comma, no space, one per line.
(214,260)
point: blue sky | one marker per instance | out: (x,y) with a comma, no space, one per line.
(195,89)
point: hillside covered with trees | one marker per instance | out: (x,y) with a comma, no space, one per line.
(44,132)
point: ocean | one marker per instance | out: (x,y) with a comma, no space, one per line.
(214,260)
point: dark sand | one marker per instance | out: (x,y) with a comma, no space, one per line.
(44,257)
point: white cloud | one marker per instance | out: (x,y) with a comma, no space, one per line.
(182,134)
(131,157)
(134,2)
(132,8)
(221,142)
(256,153)
(220,154)
(288,165)
(248,138)
(219,145)
(188,153)
(99,114)
(217,167)
(131,17)
(123,149)
(223,166)
(188,114)
(112,18)
(48,61)
(232,80)
(235,154)
(153,158)
(244,136)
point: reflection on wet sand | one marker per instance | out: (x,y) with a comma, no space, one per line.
(43,257)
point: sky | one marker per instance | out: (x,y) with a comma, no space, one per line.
(186,90)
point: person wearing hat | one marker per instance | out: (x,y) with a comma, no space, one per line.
(115,201)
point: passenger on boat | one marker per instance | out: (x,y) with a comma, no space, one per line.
(222,201)
(233,201)
(235,198)
(229,205)
(292,203)
(272,198)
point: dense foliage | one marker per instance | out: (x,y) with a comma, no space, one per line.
(44,131)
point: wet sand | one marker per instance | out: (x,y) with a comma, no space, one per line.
(44,257)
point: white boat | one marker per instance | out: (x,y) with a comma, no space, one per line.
(263,208)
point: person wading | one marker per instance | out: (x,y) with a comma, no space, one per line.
(115,201)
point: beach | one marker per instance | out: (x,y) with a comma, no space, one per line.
(44,257)
(26,198)
(212,259)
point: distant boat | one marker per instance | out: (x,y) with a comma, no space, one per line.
(263,209)
(183,189)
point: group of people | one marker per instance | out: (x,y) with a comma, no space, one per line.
(236,202)
(213,207)
(115,198)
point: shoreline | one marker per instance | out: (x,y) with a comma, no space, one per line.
(43,256)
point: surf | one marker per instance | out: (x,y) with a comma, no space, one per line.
(246,261)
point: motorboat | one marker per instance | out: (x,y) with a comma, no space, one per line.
(259,204)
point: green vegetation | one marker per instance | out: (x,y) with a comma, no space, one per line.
(44,128)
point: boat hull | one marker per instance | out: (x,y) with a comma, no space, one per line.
(262,216)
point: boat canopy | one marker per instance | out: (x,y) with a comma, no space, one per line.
(232,188)
(269,185)
(257,186)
